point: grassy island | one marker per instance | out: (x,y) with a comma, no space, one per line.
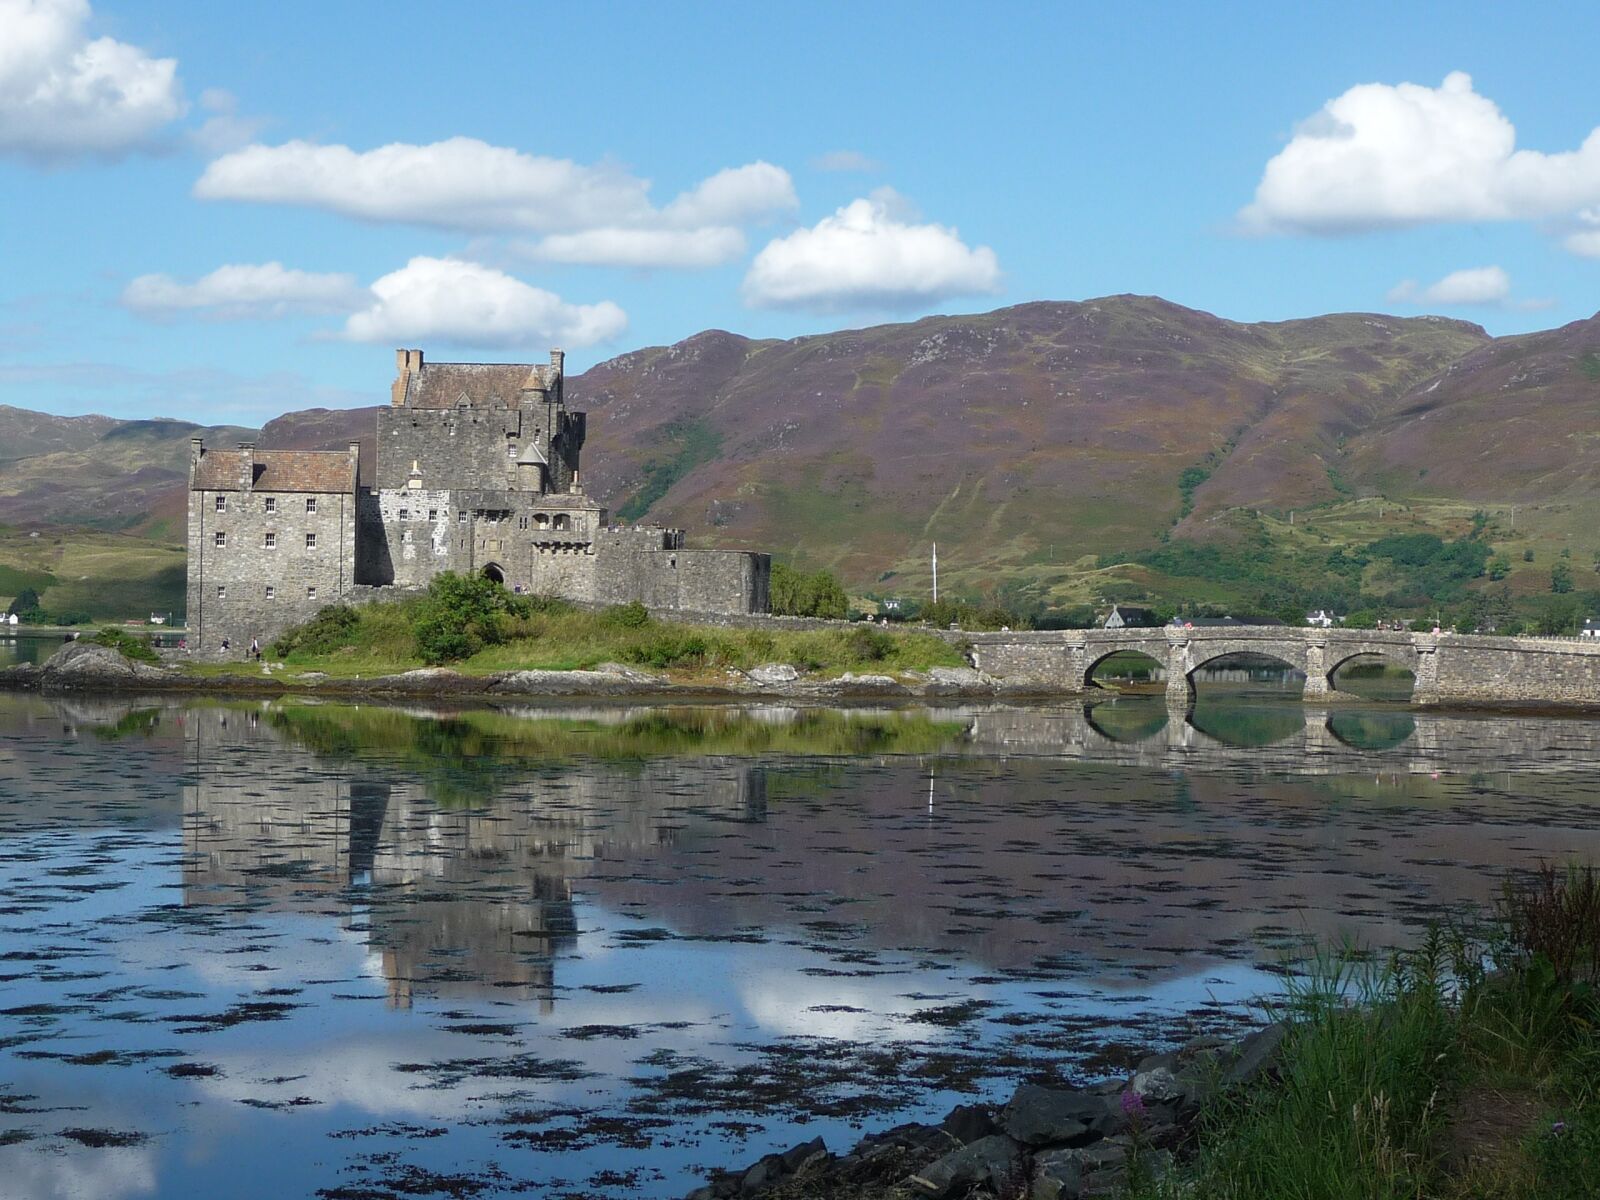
(477,627)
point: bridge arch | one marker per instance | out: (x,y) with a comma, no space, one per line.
(1152,651)
(1339,658)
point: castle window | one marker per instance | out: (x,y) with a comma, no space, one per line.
(311,593)
(222,591)
(405,536)
(270,541)
(542,520)
(511,449)
(272,504)
(311,504)
(405,514)
(563,521)
(522,522)
(222,504)
(433,515)
(221,539)
(461,516)
(272,592)
(311,541)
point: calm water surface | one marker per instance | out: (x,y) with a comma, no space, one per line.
(290,949)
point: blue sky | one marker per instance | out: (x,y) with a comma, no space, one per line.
(222,212)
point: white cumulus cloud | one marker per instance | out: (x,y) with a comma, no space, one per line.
(63,95)
(1474,285)
(869,254)
(1384,155)
(597,214)
(468,304)
(643,248)
(244,290)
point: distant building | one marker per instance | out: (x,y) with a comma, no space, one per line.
(1125,616)
(1323,619)
(1591,628)
(476,472)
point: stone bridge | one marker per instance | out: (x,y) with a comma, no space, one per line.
(1446,666)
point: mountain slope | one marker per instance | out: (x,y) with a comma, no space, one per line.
(1043,431)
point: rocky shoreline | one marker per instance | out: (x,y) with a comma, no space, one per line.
(1043,1143)
(88,666)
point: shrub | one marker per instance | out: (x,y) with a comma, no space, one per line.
(669,648)
(631,615)
(797,594)
(126,644)
(461,614)
(332,628)
(868,645)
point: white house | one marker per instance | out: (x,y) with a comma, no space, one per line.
(1322,619)
(1591,628)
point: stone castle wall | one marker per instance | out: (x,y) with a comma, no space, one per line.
(247,589)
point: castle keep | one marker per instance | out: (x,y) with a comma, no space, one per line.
(477,472)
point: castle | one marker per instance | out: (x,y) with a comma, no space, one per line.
(477,472)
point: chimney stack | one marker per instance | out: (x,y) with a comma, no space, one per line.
(355,461)
(406,364)
(247,465)
(197,449)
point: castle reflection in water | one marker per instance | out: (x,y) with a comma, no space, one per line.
(453,900)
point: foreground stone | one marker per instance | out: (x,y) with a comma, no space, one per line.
(1043,1144)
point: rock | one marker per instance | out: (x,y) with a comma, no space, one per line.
(1157,1086)
(88,664)
(763,1175)
(849,682)
(945,680)
(1258,1054)
(968,1122)
(994,1161)
(773,674)
(1040,1116)
(623,671)
(804,1155)
(567,683)
(1057,1175)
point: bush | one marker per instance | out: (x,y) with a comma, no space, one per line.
(868,645)
(796,594)
(669,648)
(331,629)
(126,644)
(631,615)
(462,614)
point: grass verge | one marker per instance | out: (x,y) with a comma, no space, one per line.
(1467,1068)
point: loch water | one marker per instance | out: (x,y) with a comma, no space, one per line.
(284,948)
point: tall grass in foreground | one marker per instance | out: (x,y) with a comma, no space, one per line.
(1467,1067)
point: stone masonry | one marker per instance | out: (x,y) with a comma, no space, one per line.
(477,472)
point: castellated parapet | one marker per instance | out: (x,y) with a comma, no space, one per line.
(477,472)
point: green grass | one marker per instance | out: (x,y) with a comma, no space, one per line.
(1427,1076)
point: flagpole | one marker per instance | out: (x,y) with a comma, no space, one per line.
(936,572)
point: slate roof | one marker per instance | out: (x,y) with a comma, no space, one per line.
(482,385)
(327,471)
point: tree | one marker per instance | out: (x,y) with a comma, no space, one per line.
(1500,567)
(797,594)
(1559,618)
(27,601)
(1527,555)
(1561,578)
